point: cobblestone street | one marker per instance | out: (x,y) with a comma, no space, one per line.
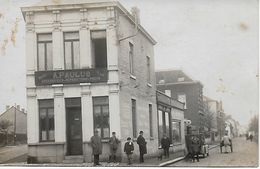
(245,153)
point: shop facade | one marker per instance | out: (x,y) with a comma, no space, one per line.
(87,70)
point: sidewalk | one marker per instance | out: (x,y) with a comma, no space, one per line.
(10,152)
(152,162)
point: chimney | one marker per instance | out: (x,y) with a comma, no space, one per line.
(136,14)
(7,107)
(18,107)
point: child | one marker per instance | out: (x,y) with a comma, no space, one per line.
(128,149)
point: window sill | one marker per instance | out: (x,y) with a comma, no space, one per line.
(46,143)
(149,85)
(177,144)
(133,77)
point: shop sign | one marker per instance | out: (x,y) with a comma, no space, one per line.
(71,76)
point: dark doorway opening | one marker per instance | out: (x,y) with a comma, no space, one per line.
(74,126)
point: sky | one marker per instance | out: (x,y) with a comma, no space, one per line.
(213,41)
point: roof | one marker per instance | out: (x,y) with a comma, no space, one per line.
(173,77)
(205,98)
(50,5)
(6,111)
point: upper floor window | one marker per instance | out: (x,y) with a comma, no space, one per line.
(168,93)
(182,98)
(99,48)
(71,50)
(148,62)
(131,58)
(180,79)
(44,49)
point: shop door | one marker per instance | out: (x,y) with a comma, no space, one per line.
(74,131)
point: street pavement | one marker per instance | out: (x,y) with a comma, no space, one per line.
(245,154)
(12,152)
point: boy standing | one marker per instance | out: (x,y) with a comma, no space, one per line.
(128,149)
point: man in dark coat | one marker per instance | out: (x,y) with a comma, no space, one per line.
(195,148)
(165,142)
(96,147)
(113,143)
(128,149)
(142,146)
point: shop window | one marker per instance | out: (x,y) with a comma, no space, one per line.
(99,49)
(46,120)
(71,50)
(151,119)
(44,50)
(176,131)
(131,58)
(134,118)
(101,116)
(163,125)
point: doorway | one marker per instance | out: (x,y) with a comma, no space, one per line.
(74,126)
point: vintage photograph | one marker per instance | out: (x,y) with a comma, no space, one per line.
(129,83)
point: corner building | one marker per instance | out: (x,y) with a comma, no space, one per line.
(90,65)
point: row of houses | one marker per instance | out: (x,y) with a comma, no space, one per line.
(90,66)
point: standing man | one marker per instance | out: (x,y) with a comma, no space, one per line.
(226,140)
(142,146)
(165,141)
(113,142)
(96,147)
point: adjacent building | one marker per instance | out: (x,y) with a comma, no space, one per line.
(15,120)
(90,66)
(179,86)
(171,121)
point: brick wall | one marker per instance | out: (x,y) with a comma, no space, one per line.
(137,87)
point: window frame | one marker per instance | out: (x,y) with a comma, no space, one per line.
(47,121)
(185,102)
(134,119)
(131,58)
(151,119)
(72,48)
(179,124)
(101,114)
(45,42)
(148,64)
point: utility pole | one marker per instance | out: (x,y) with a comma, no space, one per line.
(14,136)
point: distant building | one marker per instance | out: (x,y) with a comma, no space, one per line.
(211,117)
(179,86)
(90,66)
(18,119)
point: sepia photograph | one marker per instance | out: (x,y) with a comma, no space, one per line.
(129,83)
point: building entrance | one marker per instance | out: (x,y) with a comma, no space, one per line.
(74,126)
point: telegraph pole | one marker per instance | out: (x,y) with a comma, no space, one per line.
(14,136)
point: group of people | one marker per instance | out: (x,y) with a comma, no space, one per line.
(114,144)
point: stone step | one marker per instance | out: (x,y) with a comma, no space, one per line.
(73,159)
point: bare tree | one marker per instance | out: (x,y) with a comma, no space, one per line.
(253,125)
(4,127)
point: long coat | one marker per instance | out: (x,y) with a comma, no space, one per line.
(165,142)
(96,145)
(129,148)
(142,144)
